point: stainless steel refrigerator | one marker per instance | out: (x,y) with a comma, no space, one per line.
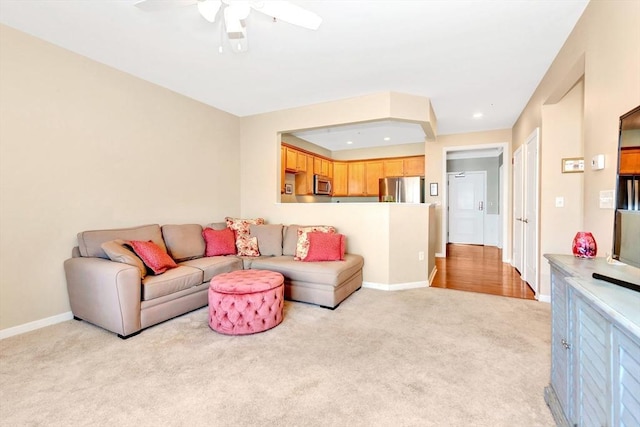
(402,189)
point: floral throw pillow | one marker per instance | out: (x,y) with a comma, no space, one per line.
(302,247)
(248,246)
(153,256)
(241,227)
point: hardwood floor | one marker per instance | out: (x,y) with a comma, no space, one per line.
(479,269)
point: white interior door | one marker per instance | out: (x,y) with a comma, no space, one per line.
(466,207)
(518,211)
(530,219)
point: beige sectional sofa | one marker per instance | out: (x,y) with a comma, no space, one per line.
(115,296)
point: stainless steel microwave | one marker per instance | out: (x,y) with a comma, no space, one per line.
(322,185)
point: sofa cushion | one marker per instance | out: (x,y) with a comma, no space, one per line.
(289,239)
(153,256)
(174,280)
(219,242)
(116,251)
(331,273)
(302,246)
(325,247)
(217,225)
(90,242)
(212,266)
(269,238)
(183,241)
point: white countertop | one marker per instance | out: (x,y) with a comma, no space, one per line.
(622,304)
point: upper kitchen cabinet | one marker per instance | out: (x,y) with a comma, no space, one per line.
(393,167)
(413,166)
(340,179)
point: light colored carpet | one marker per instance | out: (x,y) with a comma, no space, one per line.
(423,357)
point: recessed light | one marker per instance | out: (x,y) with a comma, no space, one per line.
(477,115)
(349,142)
(387,138)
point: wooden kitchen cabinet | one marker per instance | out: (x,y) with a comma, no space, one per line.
(393,167)
(296,161)
(373,171)
(356,186)
(413,166)
(283,161)
(291,160)
(321,166)
(304,180)
(340,179)
(630,161)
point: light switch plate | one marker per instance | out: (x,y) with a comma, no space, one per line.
(606,199)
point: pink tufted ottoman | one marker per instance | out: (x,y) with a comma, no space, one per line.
(246,301)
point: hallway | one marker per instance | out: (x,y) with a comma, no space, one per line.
(479,269)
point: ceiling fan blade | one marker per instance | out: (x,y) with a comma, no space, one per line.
(234,23)
(155,5)
(288,12)
(209,9)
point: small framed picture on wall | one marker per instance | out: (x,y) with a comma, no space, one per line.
(433,189)
(573,165)
(288,189)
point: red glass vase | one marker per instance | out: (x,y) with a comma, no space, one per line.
(584,245)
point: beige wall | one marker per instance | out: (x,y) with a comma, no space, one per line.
(434,166)
(562,134)
(367,226)
(83,146)
(605,40)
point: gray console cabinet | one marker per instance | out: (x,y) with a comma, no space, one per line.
(595,346)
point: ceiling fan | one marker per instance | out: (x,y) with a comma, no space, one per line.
(235,13)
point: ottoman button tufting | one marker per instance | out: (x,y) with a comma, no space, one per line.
(236,300)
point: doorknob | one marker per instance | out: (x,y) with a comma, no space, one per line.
(481,206)
(526,221)
(518,219)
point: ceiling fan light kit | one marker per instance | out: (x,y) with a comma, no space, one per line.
(235,13)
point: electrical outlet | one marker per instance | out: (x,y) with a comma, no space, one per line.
(420,256)
(559,202)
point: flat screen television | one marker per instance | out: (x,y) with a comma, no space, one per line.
(626,234)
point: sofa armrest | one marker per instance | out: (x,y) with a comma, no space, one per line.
(105,293)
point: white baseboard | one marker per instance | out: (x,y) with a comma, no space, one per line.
(32,326)
(394,286)
(544,298)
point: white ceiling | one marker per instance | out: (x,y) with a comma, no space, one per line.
(466,56)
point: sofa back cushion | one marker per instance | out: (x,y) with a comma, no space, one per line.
(269,238)
(289,239)
(184,241)
(90,242)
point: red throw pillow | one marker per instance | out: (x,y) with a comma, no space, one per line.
(153,256)
(219,242)
(325,247)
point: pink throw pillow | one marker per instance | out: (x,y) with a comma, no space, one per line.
(325,247)
(153,256)
(302,245)
(219,242)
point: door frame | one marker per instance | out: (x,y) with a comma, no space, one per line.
(505,186)
(522,152)
(533,138)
